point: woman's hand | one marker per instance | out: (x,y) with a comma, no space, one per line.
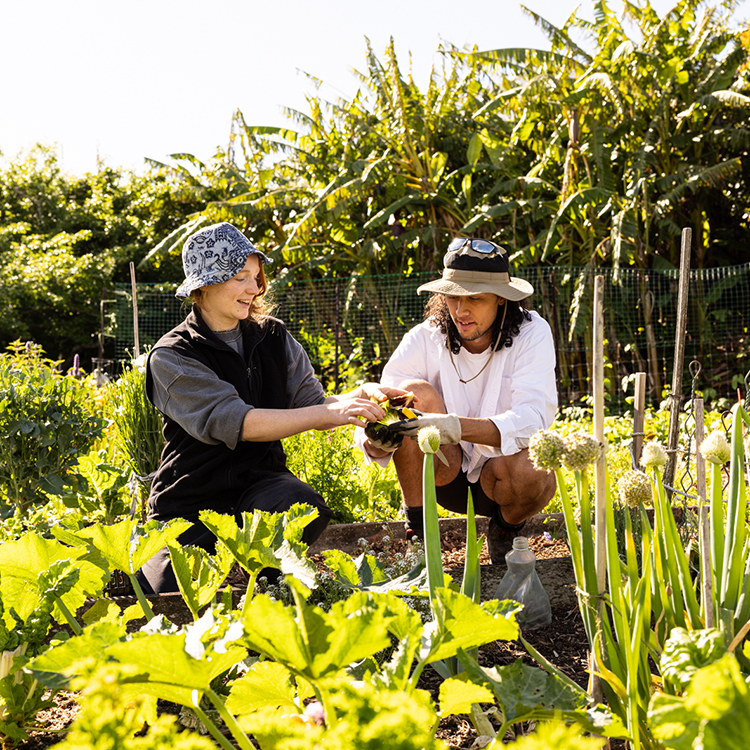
(357,411)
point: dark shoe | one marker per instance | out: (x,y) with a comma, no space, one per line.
(500,536)
(414,524)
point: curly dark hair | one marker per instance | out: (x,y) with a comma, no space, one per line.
(436,309)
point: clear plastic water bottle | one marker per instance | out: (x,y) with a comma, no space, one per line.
(521,583)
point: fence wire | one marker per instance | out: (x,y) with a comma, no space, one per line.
(350,326)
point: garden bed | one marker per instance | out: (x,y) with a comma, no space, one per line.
(563,642)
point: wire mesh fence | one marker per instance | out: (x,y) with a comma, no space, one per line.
(350,326)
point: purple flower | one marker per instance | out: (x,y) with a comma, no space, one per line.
(28,347)
(547,536)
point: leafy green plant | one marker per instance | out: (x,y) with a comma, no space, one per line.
(713,711)
(21,696)
(653,592)
(43,427)
(110,711)
(331,464)
(101,492)
(126,546)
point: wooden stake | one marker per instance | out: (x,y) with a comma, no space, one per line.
(136,346)
(639,408)
(600,475)
(679,358)
(653,359)
(703,523)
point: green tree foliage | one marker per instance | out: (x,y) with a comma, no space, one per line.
(636,133)
(64,239)
(597,151)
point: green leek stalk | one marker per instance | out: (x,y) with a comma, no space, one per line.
(432,549)
(736,530)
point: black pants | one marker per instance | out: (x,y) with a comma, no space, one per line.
(454,497)
(275,493)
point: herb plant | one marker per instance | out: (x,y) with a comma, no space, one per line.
(138,425)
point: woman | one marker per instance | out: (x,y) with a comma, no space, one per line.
(230,383)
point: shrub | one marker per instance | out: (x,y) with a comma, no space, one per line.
(44,426)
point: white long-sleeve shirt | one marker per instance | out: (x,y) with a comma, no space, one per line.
(517,391)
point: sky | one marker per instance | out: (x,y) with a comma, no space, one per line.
(116,81)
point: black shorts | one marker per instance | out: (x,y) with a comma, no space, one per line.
(454,497)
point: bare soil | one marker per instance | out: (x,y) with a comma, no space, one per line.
(563,642)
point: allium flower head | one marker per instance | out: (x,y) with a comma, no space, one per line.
(580,451)
(715,448)
(546,450)
(634,487)
(653,455)
(429,439)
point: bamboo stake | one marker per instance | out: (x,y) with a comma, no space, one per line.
(600,479)
(136,345)
(679,358)
(703,523)
(639,408)
(653,359)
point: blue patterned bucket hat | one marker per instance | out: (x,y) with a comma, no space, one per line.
(213,255)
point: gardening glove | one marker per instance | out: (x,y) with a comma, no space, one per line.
(382,438)
(448,425)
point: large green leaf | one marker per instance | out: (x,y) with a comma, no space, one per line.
(457,694)
(713,714)
(266,684)
(314,643)
(267,540)
(167,670)
(460,623)
(199,574)
(526,693)
(23,560)
(127,545)
(57,666)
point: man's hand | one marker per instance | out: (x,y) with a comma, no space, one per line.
(448,425)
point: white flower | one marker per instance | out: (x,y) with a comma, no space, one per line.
(581,450)
(634,488)
(653,455)
(715,448)
(546,450)
(429,439)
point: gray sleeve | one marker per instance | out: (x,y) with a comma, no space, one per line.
(302,387)
(206,407)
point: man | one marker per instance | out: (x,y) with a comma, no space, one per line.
(481,366)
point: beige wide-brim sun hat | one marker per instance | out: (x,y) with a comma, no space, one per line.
(468,272)
(465,283)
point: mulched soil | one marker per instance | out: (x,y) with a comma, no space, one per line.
(563,643)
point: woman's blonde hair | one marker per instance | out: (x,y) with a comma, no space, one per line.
(261,304)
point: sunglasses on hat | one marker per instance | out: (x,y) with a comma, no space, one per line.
(480,246)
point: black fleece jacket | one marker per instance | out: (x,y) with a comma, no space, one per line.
(193,475)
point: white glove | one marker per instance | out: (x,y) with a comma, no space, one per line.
(448,425)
